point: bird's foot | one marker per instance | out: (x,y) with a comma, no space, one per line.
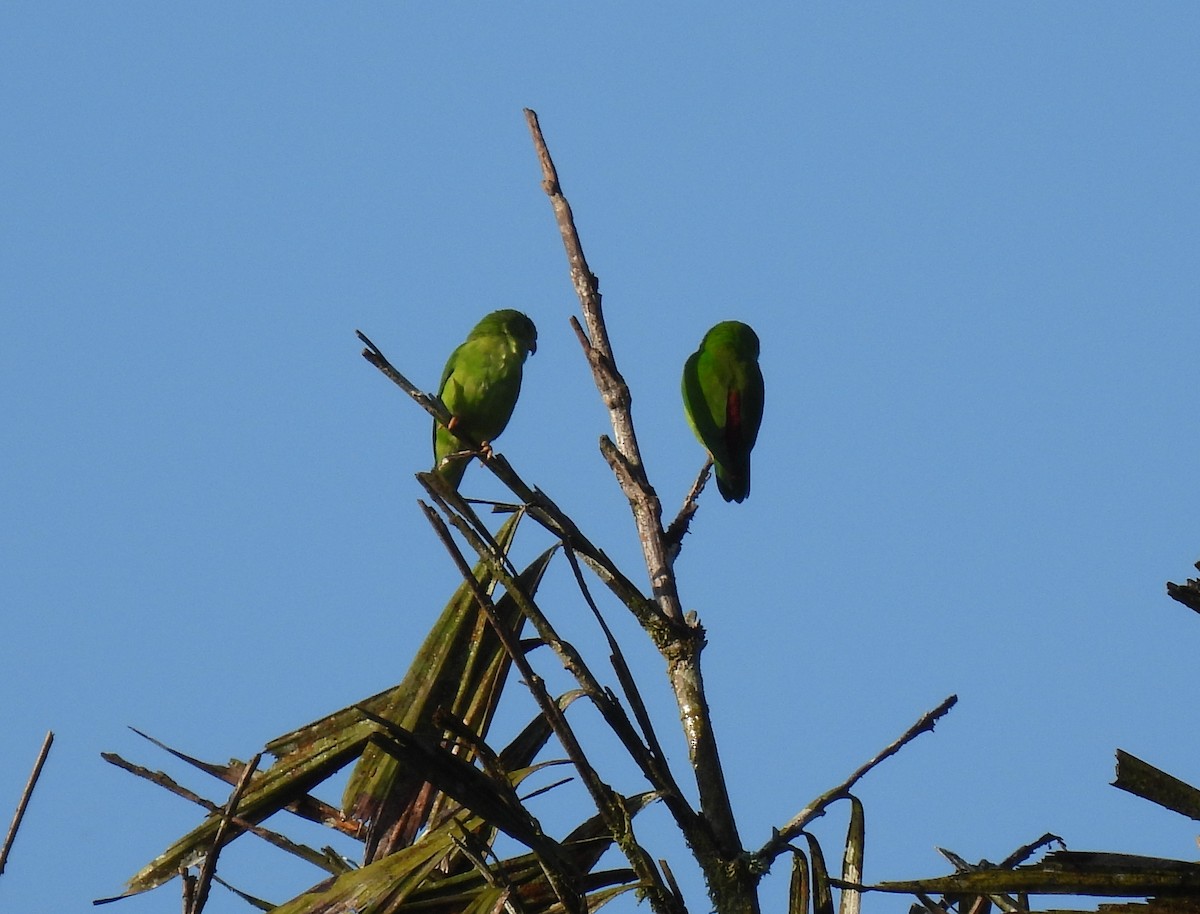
(485,450)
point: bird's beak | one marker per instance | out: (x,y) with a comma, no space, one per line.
(533,347)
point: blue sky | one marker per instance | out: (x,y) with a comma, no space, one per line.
(966,234)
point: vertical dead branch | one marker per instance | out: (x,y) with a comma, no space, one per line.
(647,510)
(719,852)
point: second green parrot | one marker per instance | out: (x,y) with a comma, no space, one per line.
(723,399)
(480,386)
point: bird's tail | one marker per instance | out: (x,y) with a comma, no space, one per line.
(734,485)
(452,470)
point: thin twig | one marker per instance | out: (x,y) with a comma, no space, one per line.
(25,795)
(779,840)
(472,742)
(930,905)
(679,526)
(663,780)
(432,405)
(246,896)
(209,869)
(476,851)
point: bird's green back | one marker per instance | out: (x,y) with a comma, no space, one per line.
(723,401)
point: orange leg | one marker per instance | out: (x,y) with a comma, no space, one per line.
(485,447)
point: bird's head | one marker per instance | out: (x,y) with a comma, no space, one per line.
(513,324)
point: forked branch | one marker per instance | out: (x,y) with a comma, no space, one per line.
(730,885)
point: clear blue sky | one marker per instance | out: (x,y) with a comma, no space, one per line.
(967,235)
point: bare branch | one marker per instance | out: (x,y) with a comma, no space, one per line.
(614,391)
(25,795)
(779,840)
(209,869)
(730,887)
(679,527)
(432,405)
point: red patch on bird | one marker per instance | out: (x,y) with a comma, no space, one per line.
(733,420)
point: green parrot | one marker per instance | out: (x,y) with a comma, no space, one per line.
(723,399)
(480,385)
